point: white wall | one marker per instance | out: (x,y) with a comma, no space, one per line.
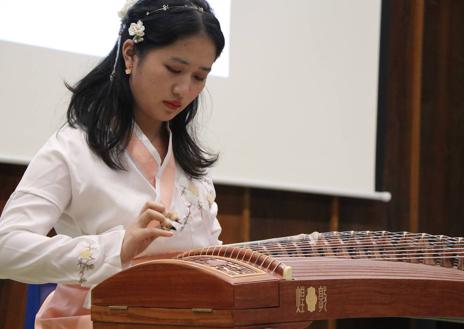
(298,110)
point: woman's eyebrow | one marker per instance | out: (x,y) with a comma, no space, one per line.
(185,62)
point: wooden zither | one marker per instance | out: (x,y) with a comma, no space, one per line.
(289,282)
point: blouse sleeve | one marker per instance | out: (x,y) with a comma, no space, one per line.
(39,201)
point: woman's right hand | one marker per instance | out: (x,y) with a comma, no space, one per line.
(140,234)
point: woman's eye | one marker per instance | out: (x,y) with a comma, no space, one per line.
(172,70)
(198,78)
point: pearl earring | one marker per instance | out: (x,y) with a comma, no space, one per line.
(128,71)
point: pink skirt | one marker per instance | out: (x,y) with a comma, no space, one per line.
(63,309)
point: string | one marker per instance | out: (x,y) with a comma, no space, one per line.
(393,252)
(390,241)
(400,249)
(380,245)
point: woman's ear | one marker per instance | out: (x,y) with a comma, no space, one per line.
(128,53)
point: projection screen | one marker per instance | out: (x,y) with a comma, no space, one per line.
(292,103)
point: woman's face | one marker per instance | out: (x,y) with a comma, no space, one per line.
(168,79)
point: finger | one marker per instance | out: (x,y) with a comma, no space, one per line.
(148,216)
(162,220)
(153,233)
(171,225)
(154,206)
(167,224)
(172,216)
(162,233)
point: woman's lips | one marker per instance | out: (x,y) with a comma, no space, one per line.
(174,105)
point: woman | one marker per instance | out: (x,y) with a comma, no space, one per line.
(125,177)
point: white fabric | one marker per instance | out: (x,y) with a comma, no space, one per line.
(68,187)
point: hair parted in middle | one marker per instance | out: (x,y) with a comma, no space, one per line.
(102,102)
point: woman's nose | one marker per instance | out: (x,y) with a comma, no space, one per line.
(181,88)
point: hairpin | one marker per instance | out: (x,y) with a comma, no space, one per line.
(167,7)
(137,31)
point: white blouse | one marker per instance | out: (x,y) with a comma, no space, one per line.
(67,187)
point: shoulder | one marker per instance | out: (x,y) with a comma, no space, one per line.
(59,146)
(63,162)
(48,175)
(67,140)
(63,150)
(68,145)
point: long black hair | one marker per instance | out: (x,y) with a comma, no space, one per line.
(102,102)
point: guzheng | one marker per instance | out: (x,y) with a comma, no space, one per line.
(289,282)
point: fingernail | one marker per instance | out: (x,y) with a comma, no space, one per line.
(174,224)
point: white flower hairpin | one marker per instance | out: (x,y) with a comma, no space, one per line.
(137,31)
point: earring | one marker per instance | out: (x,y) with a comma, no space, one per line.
(128,71)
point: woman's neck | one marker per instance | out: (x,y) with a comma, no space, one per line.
(157,134)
